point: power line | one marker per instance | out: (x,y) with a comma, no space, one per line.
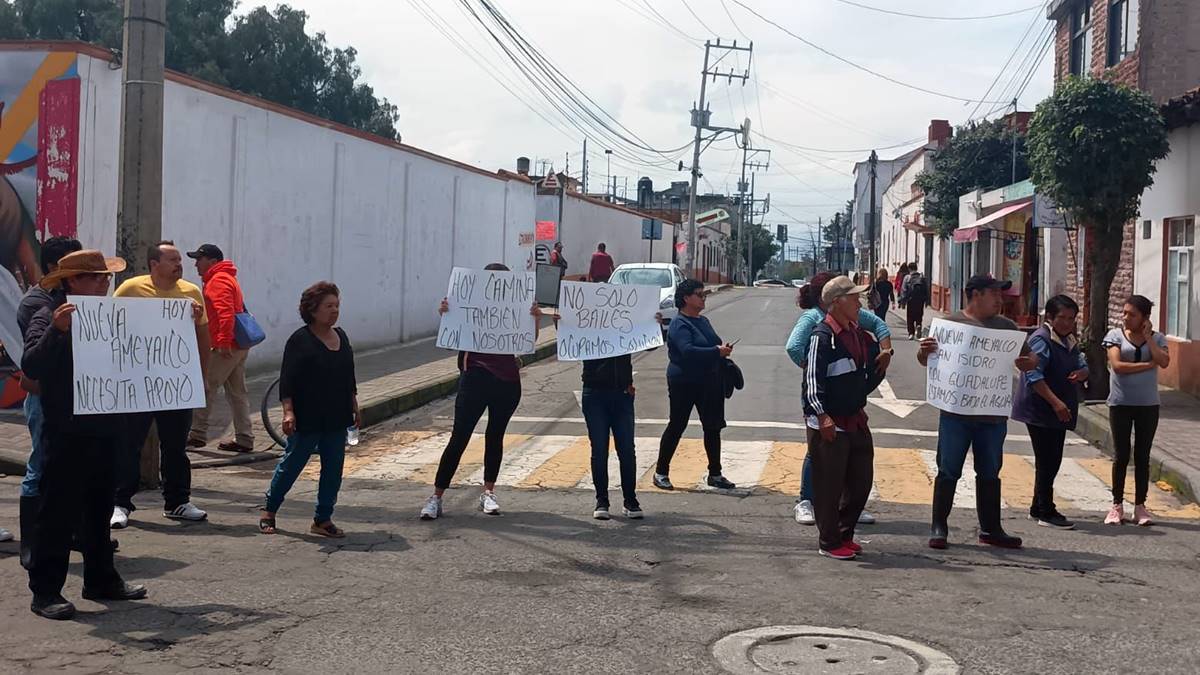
(937,18)
(901,144)
(733,21)
(1011,56)
(698,19)
(855,65)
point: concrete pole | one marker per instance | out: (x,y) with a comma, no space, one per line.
(139,183)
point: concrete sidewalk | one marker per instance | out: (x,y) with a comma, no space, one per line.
(391,380)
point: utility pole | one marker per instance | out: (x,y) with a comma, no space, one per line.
(748,162)
(608,176)
(1014,148)
(585,165)
(871,224)
(701,117)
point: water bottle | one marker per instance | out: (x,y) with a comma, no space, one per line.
(352,435)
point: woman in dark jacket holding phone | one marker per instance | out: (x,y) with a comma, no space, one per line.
(694,380)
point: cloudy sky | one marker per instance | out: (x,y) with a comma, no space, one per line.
(640,62)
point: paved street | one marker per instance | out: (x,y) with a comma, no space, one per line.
(544,588)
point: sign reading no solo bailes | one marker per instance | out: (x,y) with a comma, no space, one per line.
(489,312)
(971,373)
(134,355)
(601,320)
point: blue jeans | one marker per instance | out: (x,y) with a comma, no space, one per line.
(331,445)
(806,490)
(957,435)
(605,411)
(33,468)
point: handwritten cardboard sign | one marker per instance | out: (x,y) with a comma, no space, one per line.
(597,321)
(971,373)
(134,355)
(489,312)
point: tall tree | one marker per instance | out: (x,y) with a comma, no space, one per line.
(1093,146)
(764,246)
(978,157)
(11,27)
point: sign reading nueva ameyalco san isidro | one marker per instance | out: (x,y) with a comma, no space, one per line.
(134,355)
(489,312)
(597,321)
(971,373)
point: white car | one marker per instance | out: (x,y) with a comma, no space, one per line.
(664,275)
(799,283)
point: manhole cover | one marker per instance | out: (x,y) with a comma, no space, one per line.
(814,649)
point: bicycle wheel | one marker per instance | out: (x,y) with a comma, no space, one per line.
(272,414)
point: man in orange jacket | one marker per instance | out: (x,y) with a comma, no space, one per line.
(227,366)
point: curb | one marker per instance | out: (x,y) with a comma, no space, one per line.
(1093,426)
(12,463)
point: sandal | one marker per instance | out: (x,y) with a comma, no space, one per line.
(266,525)
(232,446)
(327,529)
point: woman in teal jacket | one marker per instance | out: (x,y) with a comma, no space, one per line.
(797,349)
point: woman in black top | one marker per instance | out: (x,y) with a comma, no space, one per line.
(320,401)
(885,294)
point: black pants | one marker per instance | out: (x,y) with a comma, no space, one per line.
(1047,454)
(915,316)
(843,471)
(174,466)
(1140,422)
(708,398)
(76,493)
(881,311)
(479,390)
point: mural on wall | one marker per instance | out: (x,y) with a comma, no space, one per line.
(39,130)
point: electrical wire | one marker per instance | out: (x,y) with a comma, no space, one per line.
(1007,62)
(936,18)
(698,19)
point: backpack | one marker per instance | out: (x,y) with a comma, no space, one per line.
(917,292)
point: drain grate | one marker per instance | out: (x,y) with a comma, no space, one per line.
(819,650)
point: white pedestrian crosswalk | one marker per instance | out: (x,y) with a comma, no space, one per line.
(902,475)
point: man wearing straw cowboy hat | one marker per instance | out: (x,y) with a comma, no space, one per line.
(79,472)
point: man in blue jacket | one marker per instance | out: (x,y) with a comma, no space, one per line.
(841,373)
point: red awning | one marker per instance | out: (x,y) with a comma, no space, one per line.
(971,232)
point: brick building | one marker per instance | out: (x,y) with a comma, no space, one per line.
(1148,44)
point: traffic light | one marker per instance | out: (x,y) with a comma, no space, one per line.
(781,232)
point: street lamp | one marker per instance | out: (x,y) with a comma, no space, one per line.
(608,156)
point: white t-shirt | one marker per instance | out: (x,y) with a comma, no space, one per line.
(1134,388)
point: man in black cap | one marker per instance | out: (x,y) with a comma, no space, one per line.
(982,434)
(227,365)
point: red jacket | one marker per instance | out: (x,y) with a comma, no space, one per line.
(602,266)
(223,300)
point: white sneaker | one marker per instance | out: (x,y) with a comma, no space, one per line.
(601,513)
(5,535)
(804,513)
(488,504)
(186,511)
(865,518)
(432,508)
(120,518)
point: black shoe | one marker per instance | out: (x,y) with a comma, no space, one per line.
(720,482)
(633,510)
(117,591)
(53,607)
(1054,519)
(662,482)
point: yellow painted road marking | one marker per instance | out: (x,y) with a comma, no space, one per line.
(782,470)
(688,466)
(1160,502)
(1017,481)
(900,476)
(563,470)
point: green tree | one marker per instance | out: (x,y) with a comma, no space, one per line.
(1093,146)
(978,157)
(11,27)
(764,247)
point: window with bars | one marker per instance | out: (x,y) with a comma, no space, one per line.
(1122,30)
(1081,38)
(1181,252)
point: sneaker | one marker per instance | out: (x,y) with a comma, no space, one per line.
(865,518)
(634,512)
(804,512)
(53,607)
(720,482)
(1054,519)
(432,508)
(118,591)
(662,482)
(488,504)
(911,337)
(852,545)
(1116,515)
(1142,515)
(120,518)
(601,513)
(186,511)
(5,535)
(840,553)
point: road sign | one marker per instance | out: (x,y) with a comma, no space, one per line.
(712,217)
(651,228)
(550,182)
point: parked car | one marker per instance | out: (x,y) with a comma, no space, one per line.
(664,275)
(799,283)
(771,283)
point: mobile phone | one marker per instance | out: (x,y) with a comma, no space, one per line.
(735,342)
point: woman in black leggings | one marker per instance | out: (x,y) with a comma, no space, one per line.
(489,382)
(1135,353)
(696,356)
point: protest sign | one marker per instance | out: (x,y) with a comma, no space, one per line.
(597,321)
(971,373)
(489,312)
(134,355)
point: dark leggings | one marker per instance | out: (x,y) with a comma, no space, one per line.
(478,390)
(1048,454)
(1142,421)
(914,316)
(708,398)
